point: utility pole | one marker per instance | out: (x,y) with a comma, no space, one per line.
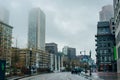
(90,63)
(30,61)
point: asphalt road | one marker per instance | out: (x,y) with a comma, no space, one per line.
(56,76)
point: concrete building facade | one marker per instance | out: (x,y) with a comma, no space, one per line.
(5,43)
(56,59)
(20,57)
(116,4)
(70,55)
(112,26)
(105,45)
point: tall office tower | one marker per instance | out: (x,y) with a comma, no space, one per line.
(105,43)
(106,13)
(4,15)
(116,4)
(36,32)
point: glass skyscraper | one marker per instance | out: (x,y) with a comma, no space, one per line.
(36,30)
(36,35)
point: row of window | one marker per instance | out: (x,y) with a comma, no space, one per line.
(105,51)
(105,38)
(103,30)
(106,59)
(105,45)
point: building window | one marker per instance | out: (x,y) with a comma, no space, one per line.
(113,32)
(100,51)
(112,23)
(109,58)
(105,51)
(113,28)
(109,50)
(101,59)
(108,44)
(105,59)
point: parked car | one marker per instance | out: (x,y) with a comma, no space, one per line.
(76,70)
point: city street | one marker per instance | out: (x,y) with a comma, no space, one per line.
(45,40)
(69,76)
(56,76)
(61,76)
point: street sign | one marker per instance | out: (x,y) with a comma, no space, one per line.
(2,69)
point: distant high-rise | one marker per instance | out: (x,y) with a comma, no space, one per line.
(65,50)
(70,52)
(36,31)
(51,48)
(106,13)
(4,15)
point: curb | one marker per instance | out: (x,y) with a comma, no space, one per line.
(17,78)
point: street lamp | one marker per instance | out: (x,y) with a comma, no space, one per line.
(90,63)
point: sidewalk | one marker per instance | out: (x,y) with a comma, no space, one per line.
(20,77)
(94,76)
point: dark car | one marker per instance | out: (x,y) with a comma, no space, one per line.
(76,70)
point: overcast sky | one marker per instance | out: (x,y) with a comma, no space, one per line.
(68,22)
